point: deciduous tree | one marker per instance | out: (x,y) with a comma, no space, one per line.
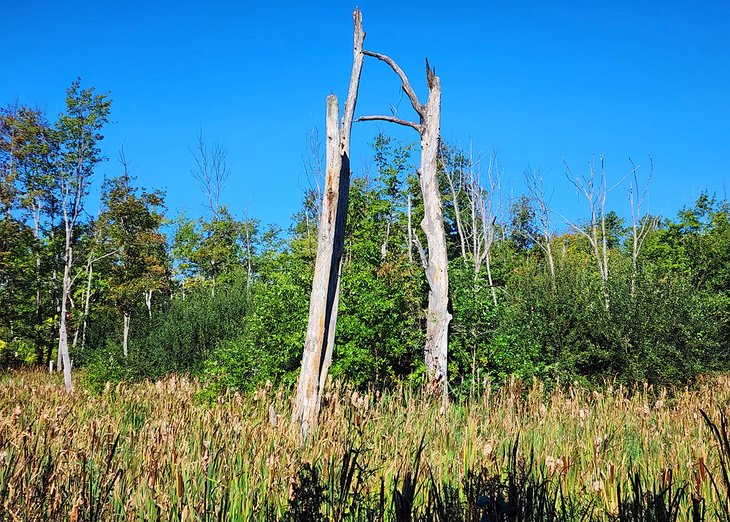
(78,132)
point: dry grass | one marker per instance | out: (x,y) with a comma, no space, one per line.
(153,452)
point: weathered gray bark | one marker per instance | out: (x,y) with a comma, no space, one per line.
(125,334)
(64,358)
(438,317)
(435,262)
(324,301)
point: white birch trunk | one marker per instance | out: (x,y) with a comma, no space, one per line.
(148,302)
(64,358)
(125,334)
(87,303)
(410,232)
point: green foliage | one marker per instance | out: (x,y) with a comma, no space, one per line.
(179,338)
(271,335)
(659,334)
(106,365)
(379,339)
(231,301)
(129,230)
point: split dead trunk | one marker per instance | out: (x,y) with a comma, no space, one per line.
(324,301)
(435,261)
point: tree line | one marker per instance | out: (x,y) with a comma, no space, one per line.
(134,293)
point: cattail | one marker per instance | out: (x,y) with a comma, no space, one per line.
(153,474)
(180,486)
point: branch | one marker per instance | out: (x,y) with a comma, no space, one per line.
(404,79)
(575,227)
(421,253)
(351,101)
(393,119)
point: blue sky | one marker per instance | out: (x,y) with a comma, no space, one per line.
(541,82)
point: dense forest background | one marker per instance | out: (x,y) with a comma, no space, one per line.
(622,295)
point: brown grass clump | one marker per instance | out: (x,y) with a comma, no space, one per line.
(153,451)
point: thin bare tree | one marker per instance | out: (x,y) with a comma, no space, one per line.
(594,189)
(324,300)
(79,134)
(641,224)
(435,261)
(211,171)
(476,220)
(536,188)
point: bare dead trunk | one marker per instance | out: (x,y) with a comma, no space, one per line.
(40,352)
(488,262)
(125,334)
(596,198)
(435,262)
(324,300)
(551,262)
(640,225)
(537,191)
(457,214)
(249,268)
(438,317)
(87,303)
(410,232)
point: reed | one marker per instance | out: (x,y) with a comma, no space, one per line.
(155,451)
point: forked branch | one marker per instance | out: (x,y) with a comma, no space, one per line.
(403,78)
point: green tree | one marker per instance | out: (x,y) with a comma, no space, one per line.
(77,133)
(130,225)
(27,149)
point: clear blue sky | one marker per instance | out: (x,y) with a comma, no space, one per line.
(542,82)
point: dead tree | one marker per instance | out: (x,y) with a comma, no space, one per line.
(594,189)
(641,224)
(211,172)
(324,301)
(475,224)
(435,261)
(536,188)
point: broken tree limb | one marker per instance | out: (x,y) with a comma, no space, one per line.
(435,260)
(392,119)
(406,85)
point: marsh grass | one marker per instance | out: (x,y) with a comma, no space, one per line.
(154,451)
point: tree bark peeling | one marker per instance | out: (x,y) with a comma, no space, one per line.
(320,337)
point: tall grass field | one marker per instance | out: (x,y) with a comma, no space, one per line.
(160,451)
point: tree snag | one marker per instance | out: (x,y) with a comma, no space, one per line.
(435,261)
(324,301)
